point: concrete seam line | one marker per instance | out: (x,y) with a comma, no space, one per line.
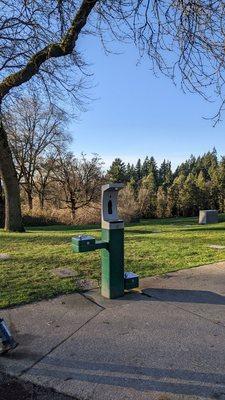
(59,344)
(91,299)
(183,309)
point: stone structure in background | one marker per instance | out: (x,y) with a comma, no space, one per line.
(208,217)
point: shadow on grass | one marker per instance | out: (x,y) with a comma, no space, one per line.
(201,228)
(42,240)
(169,221)
(141,232)
(62,228)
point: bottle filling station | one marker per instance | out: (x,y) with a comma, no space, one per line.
(113,278)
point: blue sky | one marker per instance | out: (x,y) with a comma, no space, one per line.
(137,114)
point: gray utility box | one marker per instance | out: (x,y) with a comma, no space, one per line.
(208,217)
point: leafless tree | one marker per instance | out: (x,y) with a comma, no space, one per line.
(38,41)
(79,181)
(44,179)
(35,130)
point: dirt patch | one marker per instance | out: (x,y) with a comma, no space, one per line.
(12,389)
(15,389)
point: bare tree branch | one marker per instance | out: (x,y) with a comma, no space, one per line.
(53,50)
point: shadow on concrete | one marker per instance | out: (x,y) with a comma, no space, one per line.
(171,295)
(184,296)
(172,381)
(158,294)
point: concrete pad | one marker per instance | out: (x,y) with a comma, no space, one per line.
(139,349)
(95,296)
(199,290)
(42,326)
(166,343)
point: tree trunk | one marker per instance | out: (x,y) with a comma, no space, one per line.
(73,207)
(30,200)
(2,206)
(41,200)
(13,216)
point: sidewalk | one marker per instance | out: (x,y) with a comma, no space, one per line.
(166,343)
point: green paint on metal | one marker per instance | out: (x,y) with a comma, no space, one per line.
(113,263)
(83,243)
(86,243)
(99,244)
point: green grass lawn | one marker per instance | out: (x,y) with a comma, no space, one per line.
(151,247)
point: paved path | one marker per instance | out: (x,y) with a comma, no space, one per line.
(166,342)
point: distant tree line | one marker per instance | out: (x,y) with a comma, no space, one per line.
(51,177)
(198,183)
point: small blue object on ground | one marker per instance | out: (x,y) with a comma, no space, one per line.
(7,342)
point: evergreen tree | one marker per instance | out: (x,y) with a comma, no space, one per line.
(174,207)
(221,184)
(171,207)
(197,183)
(184,169)
(202,191)
(150,166)
(145,167)
(130,172)
(165,174)
(161,202)
(188,196)
(147,197)
(117,171)
(132,184)
(214,187)
(138,171)
(204,163)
